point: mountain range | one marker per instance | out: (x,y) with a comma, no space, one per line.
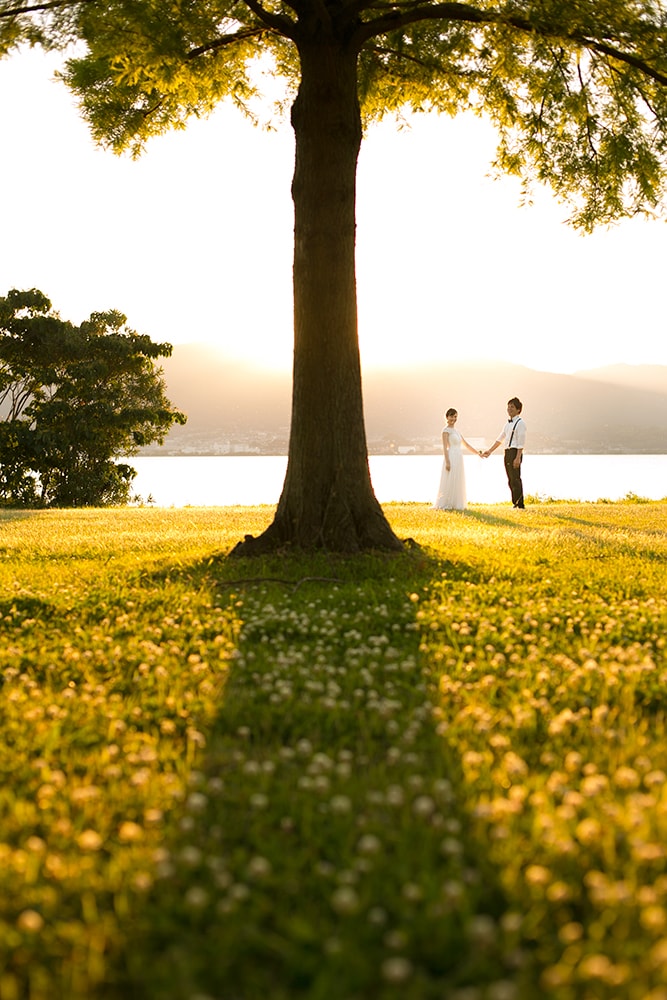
(234,407)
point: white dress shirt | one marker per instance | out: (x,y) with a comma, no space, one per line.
(514,430)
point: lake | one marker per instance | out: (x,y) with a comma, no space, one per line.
(223,481)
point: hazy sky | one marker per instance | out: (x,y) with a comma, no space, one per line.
(193,241)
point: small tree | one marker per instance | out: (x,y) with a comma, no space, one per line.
(73,399)
(576,88)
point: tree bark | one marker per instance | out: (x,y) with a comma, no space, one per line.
(327,500)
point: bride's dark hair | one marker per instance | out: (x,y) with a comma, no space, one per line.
(451,412)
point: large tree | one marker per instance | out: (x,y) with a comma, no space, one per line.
(73,400)
(576,88)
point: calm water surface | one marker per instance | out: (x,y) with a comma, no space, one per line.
(203,481)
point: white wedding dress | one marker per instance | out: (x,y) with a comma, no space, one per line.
(452,492)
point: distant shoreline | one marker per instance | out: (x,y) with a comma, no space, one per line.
(410,453)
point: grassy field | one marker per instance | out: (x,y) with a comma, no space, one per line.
(441,776)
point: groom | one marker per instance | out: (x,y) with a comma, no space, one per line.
(514,433)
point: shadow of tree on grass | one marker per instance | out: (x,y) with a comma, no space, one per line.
(322,850)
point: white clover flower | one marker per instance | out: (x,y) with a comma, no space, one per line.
(340,804)
(259,800)
(395,795)
(35,844)
(396,940)
(196,898)
(163,864)
(514,765)
(369,844)
(588,831)
(412,892)
(222,879)
(482,930)
(345,901)
(423,806)
(453,891)
(653,918)
(537,875)
(141,777)
(320,762)
(333,946)
(259,867)
(596,967)
(396,969)
(196,802)
(89,840)
(142,881)
(511,922)
(593,784)
(502,989)
(130,832)
(190,856)
(451,847)
(30,921)
(626,778)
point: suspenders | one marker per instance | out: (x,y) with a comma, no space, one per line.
(509,443)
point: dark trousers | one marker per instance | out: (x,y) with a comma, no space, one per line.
(514,477)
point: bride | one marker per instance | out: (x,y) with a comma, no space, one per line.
(452,492)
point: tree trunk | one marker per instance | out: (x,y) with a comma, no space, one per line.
(327,500)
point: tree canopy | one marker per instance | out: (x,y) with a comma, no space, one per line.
(576,89)
(73,399)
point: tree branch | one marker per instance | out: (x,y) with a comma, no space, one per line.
(411,13)
(624,57)
(584,92)
(35,8)
(220,43)
(405,14)
(385,50)
(277,22)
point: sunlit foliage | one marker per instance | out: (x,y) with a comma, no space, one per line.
(577,90)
